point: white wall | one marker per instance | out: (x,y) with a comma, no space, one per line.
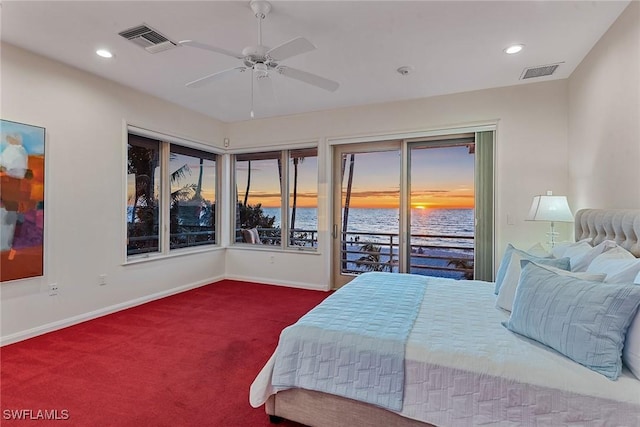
(531,157)
(85,151)
(604,119)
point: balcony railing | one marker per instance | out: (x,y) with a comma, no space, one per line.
(431,254)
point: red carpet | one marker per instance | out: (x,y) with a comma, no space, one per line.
(185,360)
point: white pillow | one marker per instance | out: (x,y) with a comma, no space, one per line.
(631,350)
(507,291)
(619,265)
(560,248)
(582,254)
(582,275)
(539,251)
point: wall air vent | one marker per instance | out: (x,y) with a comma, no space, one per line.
(148,38)
(541,71)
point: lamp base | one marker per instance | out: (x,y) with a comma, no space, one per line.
(552,235)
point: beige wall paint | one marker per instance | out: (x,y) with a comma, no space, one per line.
(85,150)
(604,119)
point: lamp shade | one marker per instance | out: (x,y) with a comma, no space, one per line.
(550,208)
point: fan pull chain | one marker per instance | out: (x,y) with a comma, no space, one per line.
(251,113)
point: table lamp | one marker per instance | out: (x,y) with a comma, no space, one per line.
(550,208)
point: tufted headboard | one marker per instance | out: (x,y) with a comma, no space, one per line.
(621,225)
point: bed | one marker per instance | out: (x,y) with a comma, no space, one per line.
(457,363)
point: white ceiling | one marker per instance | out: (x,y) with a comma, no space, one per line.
(454,46)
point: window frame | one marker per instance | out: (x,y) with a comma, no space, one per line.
(284,197)
(165,142)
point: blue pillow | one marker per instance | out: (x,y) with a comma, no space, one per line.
(586,321)
(504,264)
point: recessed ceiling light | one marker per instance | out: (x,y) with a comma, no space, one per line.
(514,49)
(104,53)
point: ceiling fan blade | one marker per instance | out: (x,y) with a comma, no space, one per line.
(215,76)
(309,78)
(210,48)
(291,48)
(265,88)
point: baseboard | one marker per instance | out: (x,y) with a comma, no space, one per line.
(263,281)
(59,324)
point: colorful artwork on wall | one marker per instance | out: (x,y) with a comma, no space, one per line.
(21,201)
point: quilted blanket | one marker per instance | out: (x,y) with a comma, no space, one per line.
(353,345)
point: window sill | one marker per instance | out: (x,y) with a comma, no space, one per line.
(137,259)
(269,248)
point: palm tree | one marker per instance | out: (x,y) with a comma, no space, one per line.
(294,206)
(371,260)
(198,194)
(347,201)
(463,264)
(246,193)
(142,163)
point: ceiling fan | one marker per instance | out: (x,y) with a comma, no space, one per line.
(263,61)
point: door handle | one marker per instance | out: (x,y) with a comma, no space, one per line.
(335,231)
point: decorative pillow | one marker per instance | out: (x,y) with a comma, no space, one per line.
(512,277)
(560,248)
(631,351)
(585,321)
(504,264)
(582,254)
(618,264)
(583,275)
(539,251)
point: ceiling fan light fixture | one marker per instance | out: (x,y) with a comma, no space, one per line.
(260,70)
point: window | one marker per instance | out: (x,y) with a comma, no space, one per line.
(263,216)
(143,195)
(172,184)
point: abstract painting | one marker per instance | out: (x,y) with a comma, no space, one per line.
(21,201)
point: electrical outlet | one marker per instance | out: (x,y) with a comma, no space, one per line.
(53,289)
(272,259)
(102,279)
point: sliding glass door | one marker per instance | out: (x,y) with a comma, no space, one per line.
(366,221)
(441,207)
(420,206)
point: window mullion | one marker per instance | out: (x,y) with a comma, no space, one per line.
(284,200)
(165,198)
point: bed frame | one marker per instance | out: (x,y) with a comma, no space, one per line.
(621,225)
(318,409)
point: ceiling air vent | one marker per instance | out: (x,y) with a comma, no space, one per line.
(148,38)
(541,71)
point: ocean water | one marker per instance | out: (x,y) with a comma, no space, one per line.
(428,230)
(451,222)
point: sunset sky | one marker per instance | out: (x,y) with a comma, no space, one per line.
(440,178)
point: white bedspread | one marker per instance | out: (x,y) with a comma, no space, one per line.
(464,368)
